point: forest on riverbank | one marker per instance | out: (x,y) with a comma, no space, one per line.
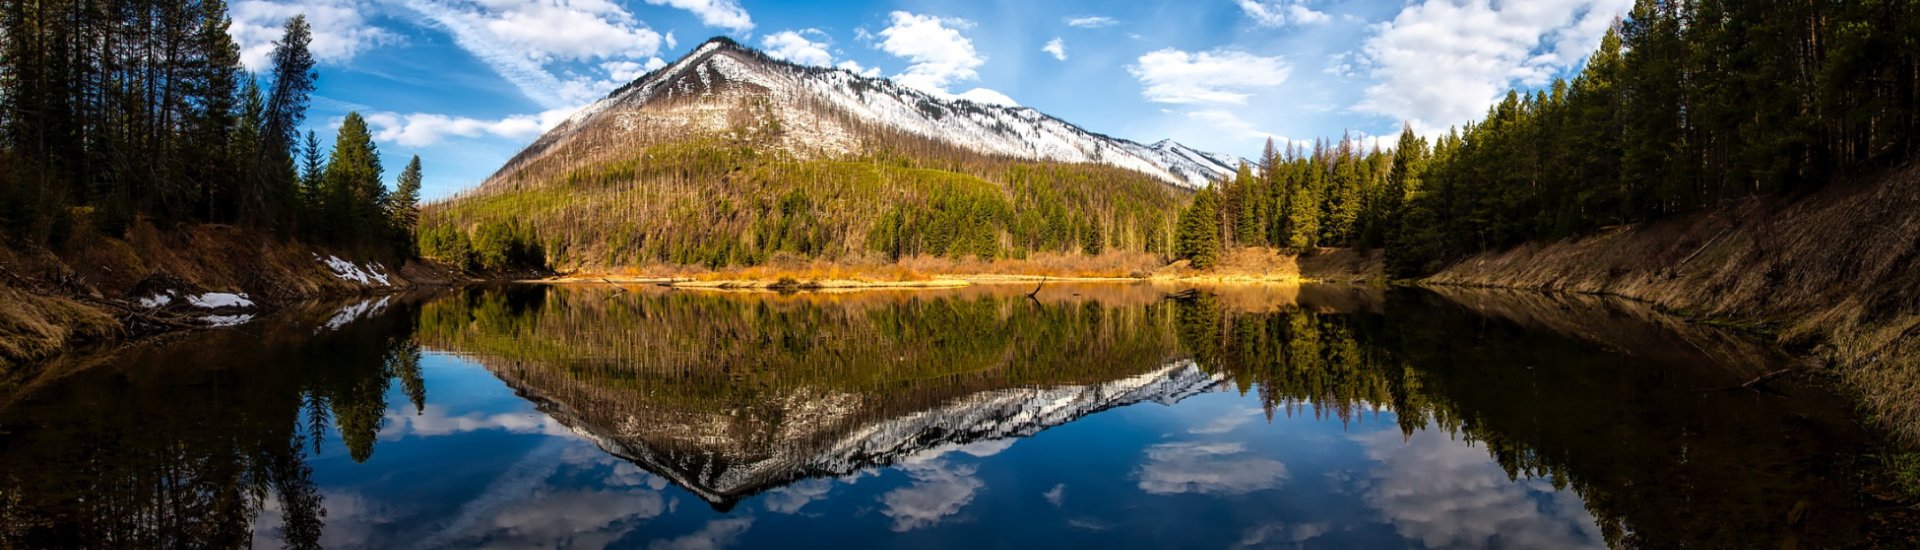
(1684,107)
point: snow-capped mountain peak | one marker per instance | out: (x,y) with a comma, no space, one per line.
(824,112)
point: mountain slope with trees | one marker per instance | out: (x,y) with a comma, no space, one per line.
(136,152)
(728,158)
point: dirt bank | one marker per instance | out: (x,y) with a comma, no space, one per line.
(94,289)
(1832,274)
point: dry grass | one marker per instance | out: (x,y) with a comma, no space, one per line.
(1244,265)
(33,326)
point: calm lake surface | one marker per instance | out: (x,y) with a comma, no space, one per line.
(1088,416)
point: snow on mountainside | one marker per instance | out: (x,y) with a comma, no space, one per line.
(827,112)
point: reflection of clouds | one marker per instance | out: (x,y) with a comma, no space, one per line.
(977,449)
(1226,422)
(1056,495)
(522,508)
(1448,494)
(1207,468)
(718,533)
(352,521)
(434,420)
(938,490)
(789,499)
(1281,534)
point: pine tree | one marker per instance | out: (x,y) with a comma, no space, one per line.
(403,207)
(1199,236)
(354,194)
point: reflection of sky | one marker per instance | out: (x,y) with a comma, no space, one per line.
(480,468)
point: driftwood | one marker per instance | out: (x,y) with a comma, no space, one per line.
(1762,379)
(1036,290)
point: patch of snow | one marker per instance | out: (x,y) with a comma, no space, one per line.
(217,300)
(226,320)
(349,271)
(157,300)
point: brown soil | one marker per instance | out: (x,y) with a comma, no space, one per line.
(1832,274)
(88,290)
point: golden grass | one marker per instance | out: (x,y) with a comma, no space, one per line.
(33,326)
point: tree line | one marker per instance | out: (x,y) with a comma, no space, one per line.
(1683,107)
(114,113)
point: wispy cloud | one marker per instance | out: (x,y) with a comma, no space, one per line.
(1220,76)
(722,14)
(1056,48)
(1091,21)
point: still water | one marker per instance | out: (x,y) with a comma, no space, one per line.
(1086,416)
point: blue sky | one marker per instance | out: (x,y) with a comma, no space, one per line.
(466,83)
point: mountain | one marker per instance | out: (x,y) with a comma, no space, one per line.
(728,158)
(831,112)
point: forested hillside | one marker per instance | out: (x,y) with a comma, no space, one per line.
(724,201)
(111,114)
(1685,106)
(140,162)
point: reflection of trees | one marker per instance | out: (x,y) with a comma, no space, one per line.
(184,445)
(1660,458)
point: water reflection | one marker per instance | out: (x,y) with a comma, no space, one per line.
(1095,415)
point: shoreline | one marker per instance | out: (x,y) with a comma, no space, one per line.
(931,282)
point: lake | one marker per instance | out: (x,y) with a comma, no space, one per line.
(1116,415)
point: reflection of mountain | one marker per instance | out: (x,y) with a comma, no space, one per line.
(733,395)
(723,471)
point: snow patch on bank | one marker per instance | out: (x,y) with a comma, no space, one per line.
(157,300)
(349,271)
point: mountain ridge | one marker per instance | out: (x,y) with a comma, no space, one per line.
(828,111)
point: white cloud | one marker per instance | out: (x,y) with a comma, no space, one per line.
(1220,76)
(1091,21)
(1227,422)
(1281,14)
(939,490)
(1056,495)
(939,53)
(940,56)
(423,129)
(627,71)
(340,29)
(796,47)
(1207,468)
(518,39)
(1441,63)
(1449,494)
(855,68)
(723,14)
(810,47)
(718,533)
(990,97)
(1057,48)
